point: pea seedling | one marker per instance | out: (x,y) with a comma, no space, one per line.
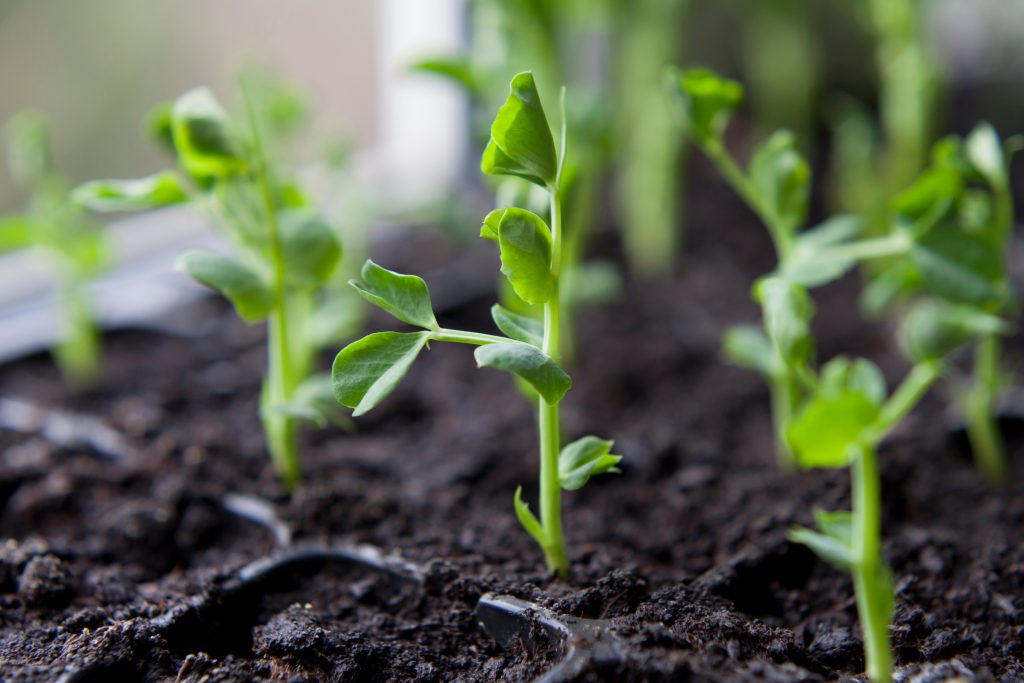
(366,371)
(75,246)
(284,253)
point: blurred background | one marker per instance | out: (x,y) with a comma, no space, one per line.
(95,68)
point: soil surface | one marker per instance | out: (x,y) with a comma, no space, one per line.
(126,560)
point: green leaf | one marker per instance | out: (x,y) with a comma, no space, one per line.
(930,197)
(489,228)
(528,362)
(582,459)
(403,296)
(749,347)
(203,137)
(527,519)
(932,330)
(832,550)
(985,152)
(309,247)
(521,142)
(841,374)
(457,69)
(959,267)
(828,431)
(243,287)
(17,232)
(519,327)
(158,126)
(151,192)
(813,261)
(898,279)
(837,524)
(366,371)
(709,101)
(313,401)
(787,311)
(525,242)
(782,178)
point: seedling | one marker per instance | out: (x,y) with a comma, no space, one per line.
(366,371)
(838,416)
(74,246)
(284,253)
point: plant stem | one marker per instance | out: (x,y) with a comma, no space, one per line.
(879,247)
(904,398)
(548,414)
(784,399)
(870,574)
(982,427)
(280,430)
(782,236)
(443,334)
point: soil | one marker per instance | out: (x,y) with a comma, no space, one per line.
(124,563)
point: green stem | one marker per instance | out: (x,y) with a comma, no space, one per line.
(982,427)
(443,334)
(782,236)
(548,414)
(879,247)
(871,576)
(282,436)
(904,398)
(784,398)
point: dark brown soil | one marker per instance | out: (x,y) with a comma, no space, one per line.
(127,566)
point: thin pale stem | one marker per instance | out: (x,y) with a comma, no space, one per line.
(880,247)
(548,414)
(781,235)
(783,397)
(982,426)
(870,574)
(444,334)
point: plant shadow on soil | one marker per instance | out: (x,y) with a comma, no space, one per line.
(118,568)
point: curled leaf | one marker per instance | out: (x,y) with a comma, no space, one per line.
(582,459)
(404,296)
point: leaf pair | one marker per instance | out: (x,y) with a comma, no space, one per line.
(367,371)
(833,423)
(521,143)
(525,243)
(310,253)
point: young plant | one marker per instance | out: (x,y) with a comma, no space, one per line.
(947,238)
(284,252)
(366,371)
(841,424)
(74,246)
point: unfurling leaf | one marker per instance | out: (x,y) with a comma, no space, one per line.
(151,192)
(828,432)
(528,362)
(489,228)
(859,375)
(519,327)
(832,550)
(932,330)
(814,261)
(709,101)
(521,142)
(582,459)
(783,178)
(527,519)
(403,296)
(241,285)
(985,152)
(203,137)
(748,347)
(309,247)
(959,267)
(787,317)
(366,371)
(525,242)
